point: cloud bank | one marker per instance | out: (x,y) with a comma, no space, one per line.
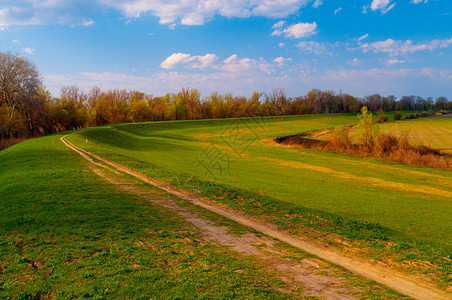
(186,12)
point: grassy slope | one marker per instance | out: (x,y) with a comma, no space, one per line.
(66,233)
(412,203)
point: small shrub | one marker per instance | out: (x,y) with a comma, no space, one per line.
(384,143)
(425,114)
(339,140)
(382,119)
(381,116)
(404,141)
(397,116)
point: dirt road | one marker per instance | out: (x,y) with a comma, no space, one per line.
(403,283)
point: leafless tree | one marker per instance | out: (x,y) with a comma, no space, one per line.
(19,79)
(20,82)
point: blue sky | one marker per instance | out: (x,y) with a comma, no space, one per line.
(400,47)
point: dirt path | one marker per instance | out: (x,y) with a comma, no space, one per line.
(307,277)
(403,283)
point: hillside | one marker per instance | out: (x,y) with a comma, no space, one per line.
(68,231)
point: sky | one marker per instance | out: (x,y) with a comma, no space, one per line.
(362,47)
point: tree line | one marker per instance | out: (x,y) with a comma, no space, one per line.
(28,109)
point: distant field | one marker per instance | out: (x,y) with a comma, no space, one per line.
(432,132)
(412,203)
(435,133)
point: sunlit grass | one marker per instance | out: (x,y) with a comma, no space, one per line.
(65,233)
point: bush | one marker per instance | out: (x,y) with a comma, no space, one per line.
(339,140)
(385,143)
(382,119)
(397,116)
(425,114)
(399,149)
(381,116)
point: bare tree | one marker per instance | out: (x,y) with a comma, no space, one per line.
(19,86)
(19,79)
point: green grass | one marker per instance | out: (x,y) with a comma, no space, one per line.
(393,201)
(67,234)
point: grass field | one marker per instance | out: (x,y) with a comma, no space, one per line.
(410,204)
(78,238)
(65,234)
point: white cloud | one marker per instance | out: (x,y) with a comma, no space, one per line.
(197,12)
(418,1)
(358,82)
(15,41)
(30,51)
(40,12)
(337,10)
(232,64)
(88,23)
(186,12)
(234,74)
(281,60)
(312,47)
(394,61)
(363,37)
(354,62)
(187,61)
(281,45)
(317,3)
(279,24)
(298,30)
(382,5)
(382,80)
(236,65)
(275,8)
(393,47)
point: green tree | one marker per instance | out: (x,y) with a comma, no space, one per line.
(369,127)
